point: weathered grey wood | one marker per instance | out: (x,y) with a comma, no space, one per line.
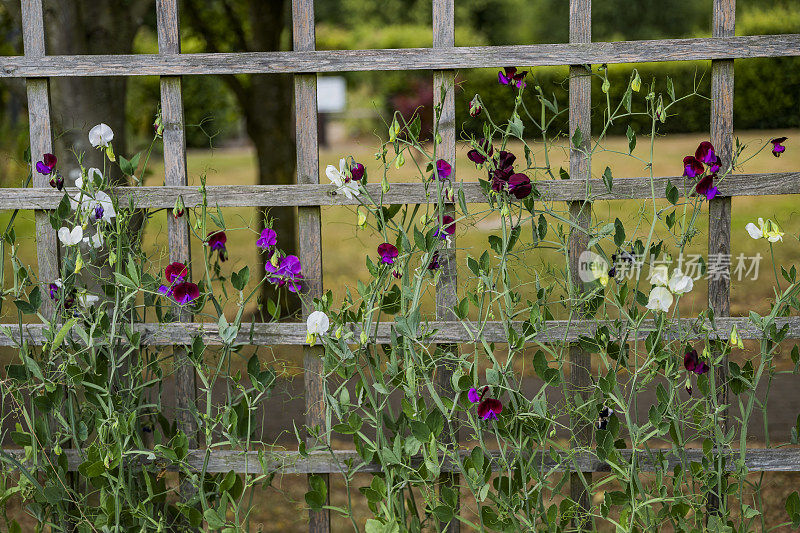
(404,59)
(580,363)
(290,462)
(310,235)
(447,285)
(719,209)
(174,143)
(294,333)
(400,193)
(41,138)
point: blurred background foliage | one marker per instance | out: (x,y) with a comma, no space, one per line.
(767,90)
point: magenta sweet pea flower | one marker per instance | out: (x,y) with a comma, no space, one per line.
(357,171)
(288,272)
(777,146)
(520,186)
(185,292)
(267,239)
(476,156)
(705,153)
(693,363)
(434,263)
(449,224)
(692,167)
(706,186)
(388,253)
(509,76)
(488,408)
(176,272)
(47,164)
(443,169)
(216,241)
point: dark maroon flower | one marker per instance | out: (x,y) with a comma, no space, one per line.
(397,274)
(519,185)
(777,146)
(47,164)
(475,107)
(357,171)
(267,239)
(477,156)
(619,259)
(57,181)
(693,363)
(705,153)
(175,272)
(443,169)
(488,408)
(185,292)
(692,167)
(288,272)
(388,253)
(504,168)
(216,241)
(509,76)
(434,264)
(449,227)
(706,186)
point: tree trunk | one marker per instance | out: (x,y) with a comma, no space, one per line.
(269,121)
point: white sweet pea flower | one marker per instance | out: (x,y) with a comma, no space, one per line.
(101,135)
(659,275)
(347,186)
(93,176)
(680,283)
(103,201)
(317,324)
(70,237)
(660,299)
(86,299)
(768,229)
(95,241)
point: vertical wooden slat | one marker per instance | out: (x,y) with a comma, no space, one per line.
(580,31)
(719,209)
(309,230)
(41,137)
(446,297)
(177,229)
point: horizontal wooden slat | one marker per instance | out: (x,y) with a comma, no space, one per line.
(294,333)
(403,59)
(289,462)
(399,193)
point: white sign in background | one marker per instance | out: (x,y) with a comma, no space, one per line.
(331,94)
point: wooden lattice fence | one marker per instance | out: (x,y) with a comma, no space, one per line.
(443,58)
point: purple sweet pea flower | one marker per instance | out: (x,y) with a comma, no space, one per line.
(509,76)
(357,171)
(705,153)
(449,227)
(47,164)
(443,169)
(185,292)
(98,212)
(267,239)
(53,289)
(216,241)
(706,186)
(473,395)
(488,408)
(476,156)
(434,264)
(777,146)
(164,290)
(692,167)
(388,253)
(288,272)
(520,186)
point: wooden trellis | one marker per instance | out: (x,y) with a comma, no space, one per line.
(443,58)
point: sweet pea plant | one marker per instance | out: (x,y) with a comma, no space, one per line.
(516,443)
(91,395)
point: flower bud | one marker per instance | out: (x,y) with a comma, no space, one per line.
(159,125)
(399,160)
(362,218)
(363,337)
(606,86)
(357,171)
(177,210)
(475,107)
(385,185)
(78,263)
(394,130)
(636,83)
(735,339)
(339,332)
(449,194)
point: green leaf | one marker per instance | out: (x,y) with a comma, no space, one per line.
(542,227)
(240,279)
(515,126)
(793,508)
(563,174)
(619,232)
(672,193)
(631,139)
(670,88)
(62,333)
(577,138)
(608,179)
(213,519)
